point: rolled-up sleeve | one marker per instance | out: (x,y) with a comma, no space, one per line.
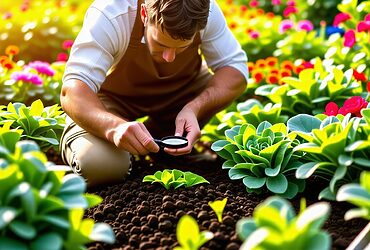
(219,46)
(93,51)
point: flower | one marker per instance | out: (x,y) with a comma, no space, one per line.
(254,34)
(62,57)
(272,78)
(359,76)
(353,105)
(289,10)
(258,75)
(305,25)
(285,25)
(363,26)
(67,44)
(42,67)
(253,3)
(349,38)
(368,86)
(275,2)
(340,18)
(331,109)
(7,15)
(26,77)
(271,61)
(12,50)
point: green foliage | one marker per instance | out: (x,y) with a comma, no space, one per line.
(336,148)
(40,206)
(175,178)
(359,195)
(275,226)
(250,111)
(313,89)
(356,56)
(262,157)
(41,26)
(39,123)
(188,235)
(218,207)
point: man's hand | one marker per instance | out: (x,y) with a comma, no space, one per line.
(134,138)
(186,124)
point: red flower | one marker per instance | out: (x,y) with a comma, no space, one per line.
(289,10)
(353,105)
(62,57)
(363,26)
(340,18)
(359,76)
(272,78)
(349,38)
(368,86)
(331,109)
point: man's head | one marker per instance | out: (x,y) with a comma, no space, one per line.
(170,25)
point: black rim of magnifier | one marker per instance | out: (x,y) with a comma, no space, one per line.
(161,142)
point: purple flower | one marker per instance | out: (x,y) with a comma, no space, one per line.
(42,67)
(305,25)
(254,34)
(285,25)
(26,77)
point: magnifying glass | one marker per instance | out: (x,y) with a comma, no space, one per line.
(172,142)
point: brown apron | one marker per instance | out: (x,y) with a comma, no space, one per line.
(143,87)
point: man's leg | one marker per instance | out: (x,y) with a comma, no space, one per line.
(97,160)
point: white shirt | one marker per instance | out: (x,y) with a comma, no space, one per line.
(106,32)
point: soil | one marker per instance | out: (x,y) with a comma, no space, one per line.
(144,215)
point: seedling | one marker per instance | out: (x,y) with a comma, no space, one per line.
(218,207)
(175,178)
(188,235)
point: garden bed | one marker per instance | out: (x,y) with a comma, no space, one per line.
(144,215)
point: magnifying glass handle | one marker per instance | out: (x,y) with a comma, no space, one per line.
(159,142)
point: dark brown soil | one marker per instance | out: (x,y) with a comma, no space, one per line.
(144,215)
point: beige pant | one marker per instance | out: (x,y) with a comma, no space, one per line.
(101,162)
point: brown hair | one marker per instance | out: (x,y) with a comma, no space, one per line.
(181,19)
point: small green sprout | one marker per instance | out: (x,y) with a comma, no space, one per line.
(175,178)
(188,235)
(218,207)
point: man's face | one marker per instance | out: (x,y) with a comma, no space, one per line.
(162,46)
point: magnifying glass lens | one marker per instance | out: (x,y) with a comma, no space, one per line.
(172,142)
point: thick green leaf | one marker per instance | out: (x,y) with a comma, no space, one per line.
(102,232)
(47,241)
(254,182)
(320,241)
(277,184)
(235,174)
(355,194)
(303,123)
(72,184)
(7,243)
(23,230)
(245,227)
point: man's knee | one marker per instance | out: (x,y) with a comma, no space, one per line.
(97,160)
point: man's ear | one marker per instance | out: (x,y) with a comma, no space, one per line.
(144,14)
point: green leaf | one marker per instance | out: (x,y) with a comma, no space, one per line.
(354,194)
(7,215)
(277,184)
(235,174)
(245,227)
(303,123)
(228,164)
(72,184)
(23,230)
(187,232)
(357,145)
(7,243)
(307,169)
(313,217)
(102,232)
(254,182)
(47,241)
(218,207)
(194,179)
(320,241)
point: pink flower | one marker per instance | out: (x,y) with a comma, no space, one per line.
(253,3)
(305,25)
(353,105)
(363,26)
(331,109)
(7,15)
(368,86)
(275,2)
(67,44)
(289,10)
(26,77)
(285,25)
(349,38)
(42,68)
(62,57)
(254,34)
(340,18)
(291,3)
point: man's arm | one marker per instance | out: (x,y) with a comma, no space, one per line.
(85,108)
(225,86)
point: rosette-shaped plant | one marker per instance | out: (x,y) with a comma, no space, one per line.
(40,207)
(336,148)
(262,157)
(275,226)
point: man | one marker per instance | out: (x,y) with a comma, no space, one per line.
(133,59)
